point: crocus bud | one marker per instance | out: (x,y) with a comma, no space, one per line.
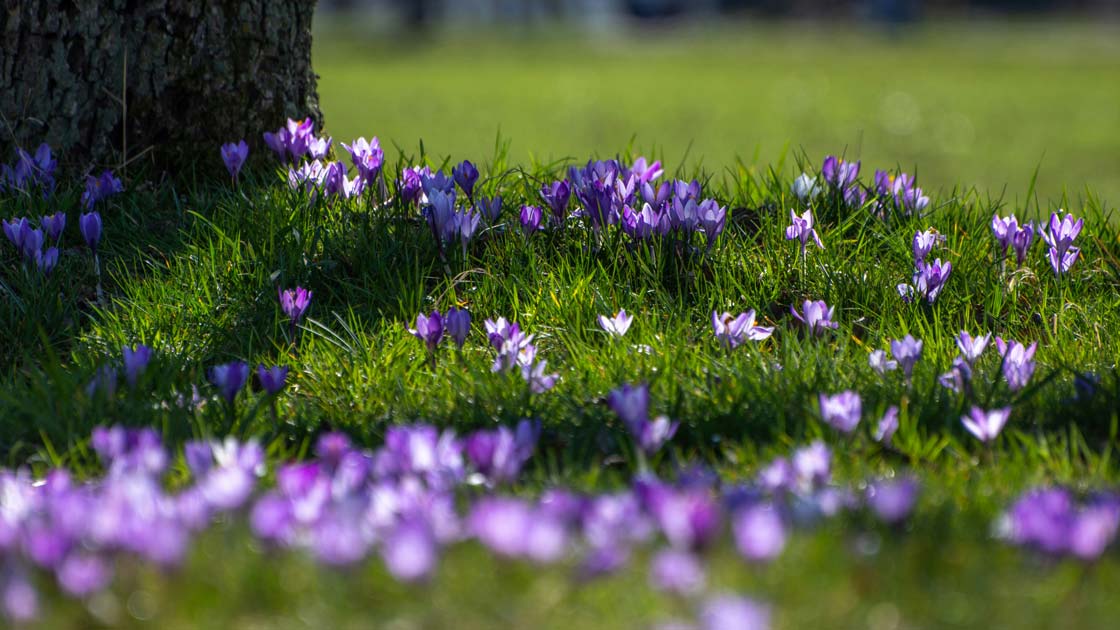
(90,225)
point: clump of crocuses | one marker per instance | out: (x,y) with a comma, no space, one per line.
(432,328)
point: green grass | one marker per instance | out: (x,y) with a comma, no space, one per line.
(192,270)
(983,102)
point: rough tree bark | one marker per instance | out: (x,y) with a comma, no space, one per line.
(192,73)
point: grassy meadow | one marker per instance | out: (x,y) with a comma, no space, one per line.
(192,270)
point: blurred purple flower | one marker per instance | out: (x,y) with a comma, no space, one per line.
(500,454)
(234,156)
(887,426)
(880,363)
(229,378)
(730,612)
(838,173)
(892,500)
(136,360)
(907,351)
(272,379)
(958,377)
(410,552)
(677,572)
(841,411)
(98,188)
(986,425)
(1018,362)
(760,534)
(971,348)
(457,325)
(53,225)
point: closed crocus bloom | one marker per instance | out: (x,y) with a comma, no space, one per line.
(465,175)
(53,225)
(136,360)
(986,425)
(923,244)
(234,156)
(1021,242)
(90,225)
(530,219)
(14,230)
(556,195)
(272,379)
(319,148)
(1018,362)
(457,323)
(839,173)
(229,378)
(651,435)
(841,411)
(490,209)
(631,403)
(46,261)
(278,142)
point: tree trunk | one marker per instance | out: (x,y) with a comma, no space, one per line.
(164,82)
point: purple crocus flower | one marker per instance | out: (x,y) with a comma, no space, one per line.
(971,348)
(1004,229)
(272,379)
(760,534)
(841,411)
(82,574)
(234,156)
(318,148)
(98,188)
(923,244)
(631,403)
(986,425)
(618,325)
(534,372)
(90,225)
(1062,232)
(931,278)
(429,329)
(892,500)
(14,229)
(1018,362)
(645,171)
(367,158)
(958,376)
(53,225)
(677,572)
(410,187)
(651,435)
(712,220)
(229,378)
(731,612)
(278,141)
(410,551)
(490,209)
(465,175)
(556,195)
(31,242)
(47,261)
(801,229)
(136,360)
(731,332)
(838,173)
(880,363)
(1062,262)
(907,351)
(294,303)
(457,324)
(1021,242)
(499,455)
(887,426)
(816,316)
(530,219)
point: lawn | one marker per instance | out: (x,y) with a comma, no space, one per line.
(982,104)
(366,536)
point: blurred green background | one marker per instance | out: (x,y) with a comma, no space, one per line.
(970,103)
